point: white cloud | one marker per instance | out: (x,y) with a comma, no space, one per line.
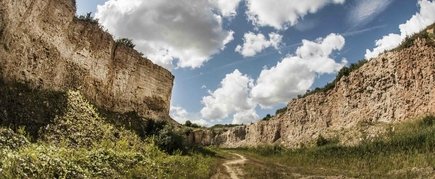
(366,10)
(180,115)
(255,43)
(295,74)
(245,117)
(418,22)
(231,97)
(238,96)
(183,32)
(283,13)
(226,7)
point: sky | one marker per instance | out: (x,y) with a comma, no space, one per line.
(235,61)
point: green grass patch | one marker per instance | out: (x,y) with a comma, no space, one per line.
(408,147)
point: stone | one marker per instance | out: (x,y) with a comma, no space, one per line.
(44,45)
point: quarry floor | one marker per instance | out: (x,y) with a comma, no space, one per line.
(236,165)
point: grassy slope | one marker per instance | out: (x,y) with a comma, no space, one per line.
(408,151)
(61,135)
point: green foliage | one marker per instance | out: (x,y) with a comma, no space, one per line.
(220,126)
(267,117)
(192,125)
(106,160)
(88,18)
(281,111)
(428,121)
(126,42)
(277,113)
(321,141)
(410,40)
(410,145)
(74,139)
(27,108)
(170,141)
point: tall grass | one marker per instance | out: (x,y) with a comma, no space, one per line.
(409,146)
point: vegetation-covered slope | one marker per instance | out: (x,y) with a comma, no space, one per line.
(46,134)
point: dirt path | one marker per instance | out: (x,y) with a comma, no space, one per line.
(235,166)
(232,168)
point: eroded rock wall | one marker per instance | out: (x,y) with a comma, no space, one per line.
(395,87)
(43,45)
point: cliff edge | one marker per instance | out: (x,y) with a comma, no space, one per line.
(43,45)
(395,87)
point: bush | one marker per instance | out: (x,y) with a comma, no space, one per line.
(126,42)
(190,124)
(170,141)
(428,121)
(321,141)
(88,18)
(267,117)
(281,111)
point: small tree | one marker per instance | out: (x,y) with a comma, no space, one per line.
(188,123)
(126,42)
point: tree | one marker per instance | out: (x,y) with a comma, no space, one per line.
(126,42)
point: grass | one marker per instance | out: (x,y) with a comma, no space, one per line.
(407,151)
(107,159)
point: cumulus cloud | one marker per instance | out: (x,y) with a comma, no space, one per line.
(418,22)
(231,97)
(366,10)
(226,7)
(255,43)
(239,96)
(180,115)
(245,117)
(295,74)
(183,33)
(283,13)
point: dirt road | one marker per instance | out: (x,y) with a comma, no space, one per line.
(233,168)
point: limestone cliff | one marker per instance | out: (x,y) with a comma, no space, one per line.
(43,45)
(394,87)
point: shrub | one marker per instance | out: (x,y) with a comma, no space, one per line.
(267,117)
(190,124)
(281,111)
(428,121)
(169,141)
(88,18)
(321,141)
(126,42)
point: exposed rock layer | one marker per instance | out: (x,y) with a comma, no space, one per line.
(395,87)
(43,45)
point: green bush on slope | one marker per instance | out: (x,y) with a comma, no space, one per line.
(81,143)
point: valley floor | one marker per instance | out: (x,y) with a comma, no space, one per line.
(408,152)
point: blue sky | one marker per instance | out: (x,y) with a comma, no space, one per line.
(358,23)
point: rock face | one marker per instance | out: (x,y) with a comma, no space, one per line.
(43,45)
(396,86)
